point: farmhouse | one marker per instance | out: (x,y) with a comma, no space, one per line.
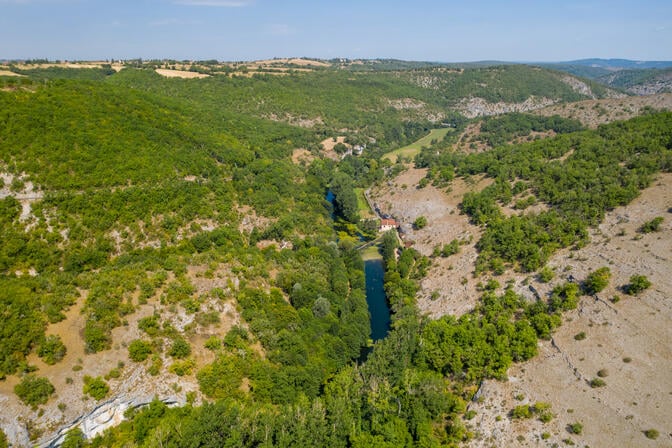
(387,224)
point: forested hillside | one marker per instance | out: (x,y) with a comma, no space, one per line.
(172,210)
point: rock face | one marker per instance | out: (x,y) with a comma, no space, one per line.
(478,107)
(105,416)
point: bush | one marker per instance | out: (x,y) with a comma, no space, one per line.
(213,343)
(651,226)
(34,390)
(51,350)
(95,387)
(450,249)
(543,410)
(580,336)
(638,283)
(420,222)
(651,434)
(546,274)
(597,280)
(521,411)
(180,349)
(139,350)
(575,428)
(181,368)
(597,382)
(74,439)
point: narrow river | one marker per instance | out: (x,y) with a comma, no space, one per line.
(375,298)
(374,270)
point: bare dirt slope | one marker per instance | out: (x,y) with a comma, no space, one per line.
(629,341)
(450,278)
(595,112)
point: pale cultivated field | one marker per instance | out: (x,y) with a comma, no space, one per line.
(294,61)
(8,73)
(180,74)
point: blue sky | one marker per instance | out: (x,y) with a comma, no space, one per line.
(432,30)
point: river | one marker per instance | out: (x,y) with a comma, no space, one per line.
(374,270)
(376,299)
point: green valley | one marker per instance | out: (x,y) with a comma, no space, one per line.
(162,244)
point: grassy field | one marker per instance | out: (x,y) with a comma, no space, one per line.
(371,253)
(365,211)
(415,147)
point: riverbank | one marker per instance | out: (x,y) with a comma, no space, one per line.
(371,253)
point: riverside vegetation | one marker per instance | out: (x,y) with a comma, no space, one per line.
(142,177)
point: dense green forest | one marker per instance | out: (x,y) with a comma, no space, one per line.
(137,178)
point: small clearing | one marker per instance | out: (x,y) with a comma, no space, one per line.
(414,148)
(8,73)
(329,144)
(301,156)
(180,74)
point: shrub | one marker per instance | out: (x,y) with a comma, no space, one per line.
(651,226)
(74,439)
(181,368)
(139,350)
(597,280)
(638,283)
(575,428)
(651,434)
(150,325)
(51,350)
(420,222)
(180,349)
(450,249)
(521,411)
(114,373)
(155,367)
(543,410)
(95,387)
(34,390)
(213,343)
(546,274)
(580,336)
(597,382)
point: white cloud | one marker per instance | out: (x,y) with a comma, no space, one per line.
(224,3)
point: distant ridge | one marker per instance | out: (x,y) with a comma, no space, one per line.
(618,64)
